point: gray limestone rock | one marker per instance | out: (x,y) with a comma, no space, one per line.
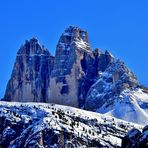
(30,76)
(74,64)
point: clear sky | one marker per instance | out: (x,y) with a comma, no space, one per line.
(120,26)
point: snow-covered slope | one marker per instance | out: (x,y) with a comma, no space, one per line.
(118,93)
(132,106)
(49,125)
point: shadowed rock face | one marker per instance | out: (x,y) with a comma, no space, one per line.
(109,85)
(30,77)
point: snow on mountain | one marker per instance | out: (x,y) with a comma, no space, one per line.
(49,125)
(117,93)
(77,76)
(30,76)
(129,107)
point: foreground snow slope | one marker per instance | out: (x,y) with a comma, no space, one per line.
(50,125)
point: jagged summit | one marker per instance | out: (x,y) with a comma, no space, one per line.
(74,62)
(32,47)
(30,76)
(76,32)
(33,40)
(108,53)
(74,37)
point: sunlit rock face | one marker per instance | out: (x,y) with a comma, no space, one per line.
(74,66)
(30,77)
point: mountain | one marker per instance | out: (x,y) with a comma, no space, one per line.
(30,76)
(77,76)
(39,125)
(117,92)
(74,64)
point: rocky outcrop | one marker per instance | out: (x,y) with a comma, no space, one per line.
(73,70)
(102,59)
(136,138)
(30,77)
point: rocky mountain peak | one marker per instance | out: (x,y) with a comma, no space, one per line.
(76,33)
(74,37)
(74,63)
(32,47)
(108,53)
(30,76)
(33,40)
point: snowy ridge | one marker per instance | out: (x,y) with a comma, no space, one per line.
(117,93)
(50,125)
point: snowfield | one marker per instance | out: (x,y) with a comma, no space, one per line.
(50,125)
(132,106)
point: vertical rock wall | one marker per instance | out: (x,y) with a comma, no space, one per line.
(30,76)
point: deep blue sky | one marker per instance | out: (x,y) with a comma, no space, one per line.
(120,27)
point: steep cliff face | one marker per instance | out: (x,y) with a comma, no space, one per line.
(74,63)
(30,77)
